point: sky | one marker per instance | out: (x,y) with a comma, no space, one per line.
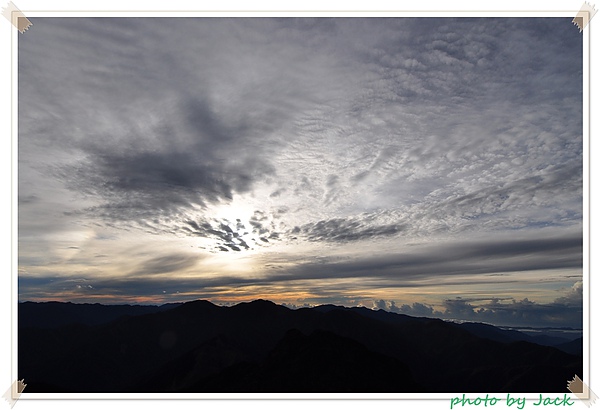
(431,167)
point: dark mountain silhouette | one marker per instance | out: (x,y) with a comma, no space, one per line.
(546,340)
(506,336)
(482,330)
(55,314)
(573,347)
(264,347)
(493,333)
(321,362)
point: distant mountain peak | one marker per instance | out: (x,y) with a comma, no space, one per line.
(262,302)
(258,303)
(197,305)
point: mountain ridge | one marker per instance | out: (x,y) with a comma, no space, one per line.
(197,342)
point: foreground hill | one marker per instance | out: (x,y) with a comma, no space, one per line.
(263,347)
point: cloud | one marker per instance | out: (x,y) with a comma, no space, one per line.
(416,309)
(29,199)
(168,263)
(452,259)
(574,297)
(564,311)
(380,152)
(380,304)
(413,135)
(519,312)
(345,230)
(134,183)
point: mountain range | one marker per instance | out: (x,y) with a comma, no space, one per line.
(267,348)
